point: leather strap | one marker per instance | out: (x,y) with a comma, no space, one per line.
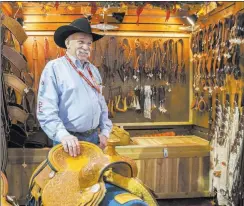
(46,50)
(93,84)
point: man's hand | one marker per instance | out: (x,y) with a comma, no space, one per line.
(71,145)
(103,141)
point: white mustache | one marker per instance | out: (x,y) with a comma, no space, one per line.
(83,52)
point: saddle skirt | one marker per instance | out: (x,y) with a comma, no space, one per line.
(66,180)
(5,199)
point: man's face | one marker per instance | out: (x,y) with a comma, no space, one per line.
(79,45)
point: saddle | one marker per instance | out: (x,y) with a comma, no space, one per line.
(15,28)
(17,84)
(5,199)
(17,113)
(66,180)
(121,134)
(14,57)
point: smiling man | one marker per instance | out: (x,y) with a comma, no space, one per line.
(71,106)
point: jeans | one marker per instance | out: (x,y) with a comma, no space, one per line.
(93,138)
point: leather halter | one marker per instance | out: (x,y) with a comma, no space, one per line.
(180,62)
(170,59)
(125,59)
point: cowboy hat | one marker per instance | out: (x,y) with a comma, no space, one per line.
(79,25)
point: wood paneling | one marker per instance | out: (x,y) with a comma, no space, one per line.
(227,9)
(127,19)
(121,27)
(175,177)
(6,9)
(86,10)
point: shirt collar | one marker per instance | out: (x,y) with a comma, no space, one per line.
(77,61)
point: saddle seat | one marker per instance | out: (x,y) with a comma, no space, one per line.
(66,180)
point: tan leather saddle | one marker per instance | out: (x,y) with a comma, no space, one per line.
(5,199)
(17,84)
(15,28)
(66,180)
(17,113)
(120,134)
(14,57)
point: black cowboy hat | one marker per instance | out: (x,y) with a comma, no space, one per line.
(79,25)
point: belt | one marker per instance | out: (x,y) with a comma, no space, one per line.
(84,134)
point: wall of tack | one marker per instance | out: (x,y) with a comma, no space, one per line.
(232,86)
(177,101)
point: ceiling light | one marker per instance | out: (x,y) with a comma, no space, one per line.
(104,27)
(118,16)
(192,19)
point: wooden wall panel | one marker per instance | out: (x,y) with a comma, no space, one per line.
(6,8)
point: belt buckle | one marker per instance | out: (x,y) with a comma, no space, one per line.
(89,132)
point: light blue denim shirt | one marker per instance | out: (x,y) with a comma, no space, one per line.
(67,103)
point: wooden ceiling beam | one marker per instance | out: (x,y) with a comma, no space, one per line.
(86,10)
(122,27)
(127,19)
(226,10)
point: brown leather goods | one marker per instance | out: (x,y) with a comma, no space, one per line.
(4,190)
(35,69)
(66,180)
(5,199)
(17,113)
(15,28)
(14,57)
(121,134)
(17,84)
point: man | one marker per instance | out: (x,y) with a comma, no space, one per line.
(71,106)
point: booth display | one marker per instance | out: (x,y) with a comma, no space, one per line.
(172,79)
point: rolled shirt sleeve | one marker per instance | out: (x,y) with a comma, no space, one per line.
(47,105)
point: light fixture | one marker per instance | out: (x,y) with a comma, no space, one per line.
(104,27)
(118,16)
(20,20)
(192,19)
